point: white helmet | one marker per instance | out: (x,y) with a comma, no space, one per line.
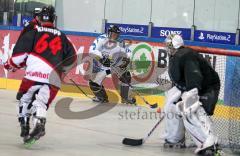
(174,41)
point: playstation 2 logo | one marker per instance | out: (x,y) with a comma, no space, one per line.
(201,37)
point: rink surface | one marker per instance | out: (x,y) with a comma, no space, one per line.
(98,136)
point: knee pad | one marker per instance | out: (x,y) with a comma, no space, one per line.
(95,87)
(26,100)
(191,101)
(98,91)
(126,78)
(173,96)
(39,106)
(99,77)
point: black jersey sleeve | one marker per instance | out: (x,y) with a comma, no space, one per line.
(25,43)
(192,72)
(22,48)
(28,27)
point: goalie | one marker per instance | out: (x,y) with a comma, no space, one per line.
(109,57)
(192,99)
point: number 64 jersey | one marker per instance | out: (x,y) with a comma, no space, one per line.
(45,52)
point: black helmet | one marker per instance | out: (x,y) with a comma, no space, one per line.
(48,14)
(114,28)
(36,12)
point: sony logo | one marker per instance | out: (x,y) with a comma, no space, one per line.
(165,33)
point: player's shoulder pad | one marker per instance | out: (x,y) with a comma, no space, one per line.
(26,24)
(31,23)
(102,36)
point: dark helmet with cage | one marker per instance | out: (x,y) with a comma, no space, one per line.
(113,32)
(36,12)
(48,14)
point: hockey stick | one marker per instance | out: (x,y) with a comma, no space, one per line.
(139,142)
(154,105)
(78,87)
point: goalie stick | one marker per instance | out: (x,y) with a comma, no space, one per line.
(139,142)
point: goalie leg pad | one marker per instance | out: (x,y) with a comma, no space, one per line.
(173,95)
(174,127)
(196,120)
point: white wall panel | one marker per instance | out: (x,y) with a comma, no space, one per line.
(217,15)
(173,13)
(80,15)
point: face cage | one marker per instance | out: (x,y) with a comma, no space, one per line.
(170,49)
(110,36)
(169,45)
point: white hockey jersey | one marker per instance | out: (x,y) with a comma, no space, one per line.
(103,47)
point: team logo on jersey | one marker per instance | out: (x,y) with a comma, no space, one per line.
(142,62)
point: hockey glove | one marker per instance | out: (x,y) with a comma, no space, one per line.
(9,67)
(126,62)
(105,62)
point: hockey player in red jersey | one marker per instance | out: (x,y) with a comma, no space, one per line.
(45,52)
(27,27)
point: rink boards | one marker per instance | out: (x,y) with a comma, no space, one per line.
(152,53)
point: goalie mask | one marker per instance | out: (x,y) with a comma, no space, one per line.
(173,42)
(113,32)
